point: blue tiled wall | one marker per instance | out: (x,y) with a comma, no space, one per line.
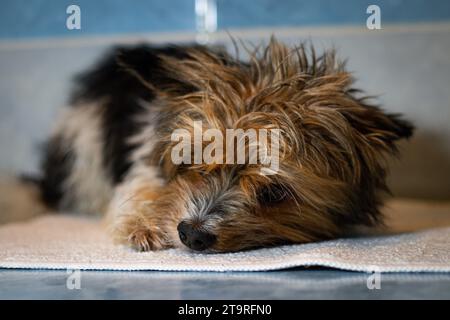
(272,13)
(46,18)
(43,18)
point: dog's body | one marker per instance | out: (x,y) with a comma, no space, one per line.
(110,152)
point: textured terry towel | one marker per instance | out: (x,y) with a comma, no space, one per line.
(67,242)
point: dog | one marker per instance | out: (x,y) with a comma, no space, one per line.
(110,153)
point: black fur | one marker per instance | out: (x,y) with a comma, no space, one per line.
(56,166)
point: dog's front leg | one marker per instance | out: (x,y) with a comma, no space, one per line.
(136,217)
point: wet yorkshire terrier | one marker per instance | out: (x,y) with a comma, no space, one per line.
(112,150)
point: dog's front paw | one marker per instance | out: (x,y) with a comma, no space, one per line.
(135,220)
(141,232)
(146,239)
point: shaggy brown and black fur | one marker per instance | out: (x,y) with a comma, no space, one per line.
(111,152)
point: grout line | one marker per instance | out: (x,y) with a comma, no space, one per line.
(157,38)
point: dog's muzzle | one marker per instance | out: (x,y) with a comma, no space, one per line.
(193,238)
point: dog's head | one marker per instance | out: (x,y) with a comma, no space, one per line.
(331,145)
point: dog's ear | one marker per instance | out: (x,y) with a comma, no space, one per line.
(377,126)
(401,127)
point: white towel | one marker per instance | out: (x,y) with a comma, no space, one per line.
(68,242)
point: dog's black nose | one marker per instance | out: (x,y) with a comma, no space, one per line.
(193,238)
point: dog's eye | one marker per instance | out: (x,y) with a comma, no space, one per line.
(273,193)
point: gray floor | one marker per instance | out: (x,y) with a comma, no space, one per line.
(291,284)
